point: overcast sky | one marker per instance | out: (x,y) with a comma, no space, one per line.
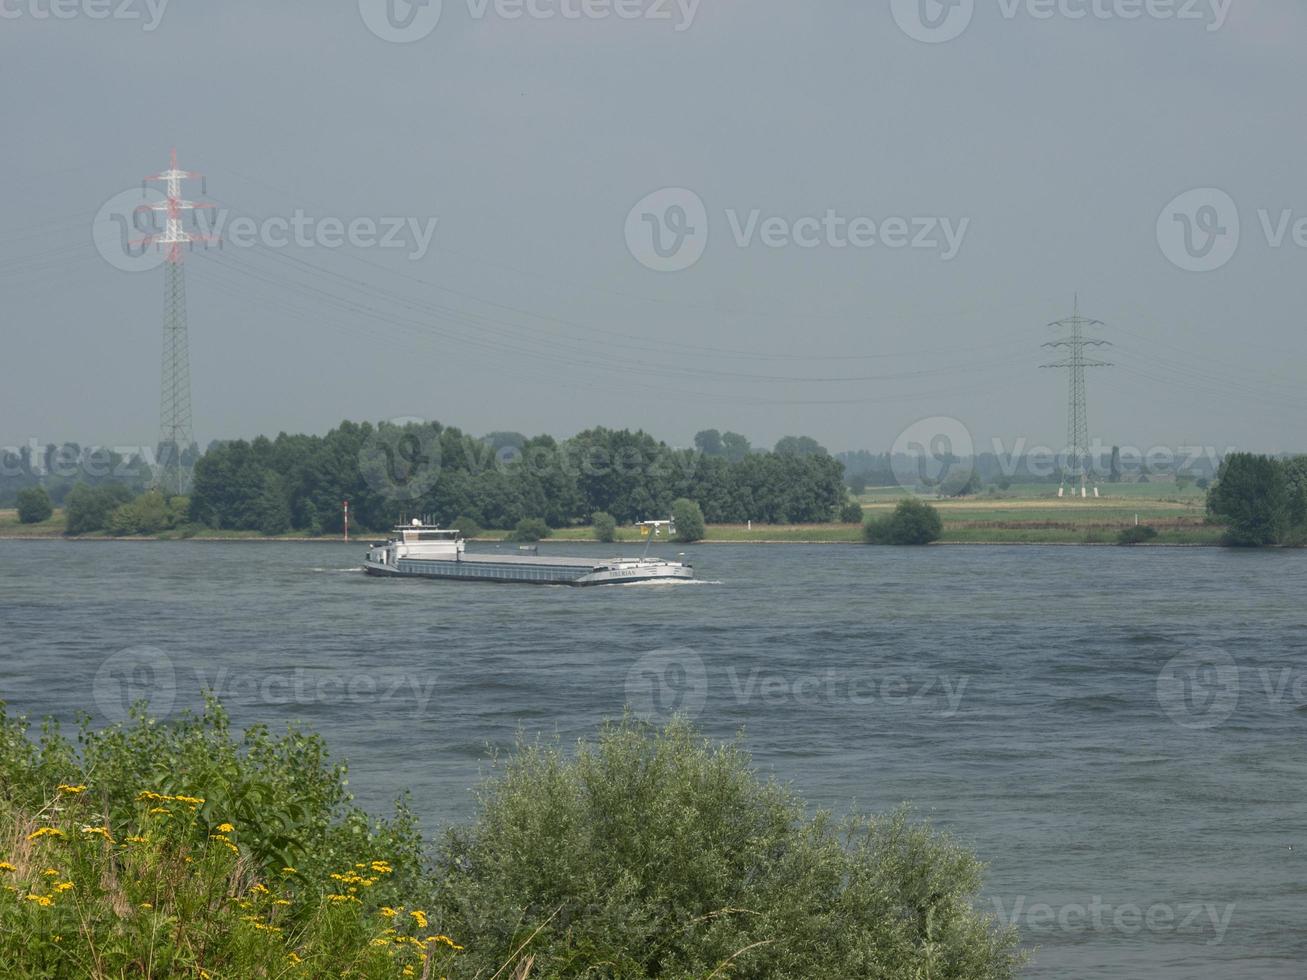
(1033,155)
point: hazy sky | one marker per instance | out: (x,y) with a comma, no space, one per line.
(1050,146)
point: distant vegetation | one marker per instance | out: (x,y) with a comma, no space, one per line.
(911,522)
(604,525)
(1139,534)
(688,519)
(182,849)
(34,505)
(1261,500)
(530,529)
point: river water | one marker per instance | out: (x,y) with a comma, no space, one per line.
(1119,733)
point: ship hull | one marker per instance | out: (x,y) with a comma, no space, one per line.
(533,570)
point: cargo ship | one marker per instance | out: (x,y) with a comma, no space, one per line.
(419,550)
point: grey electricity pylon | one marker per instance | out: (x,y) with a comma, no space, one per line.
(175,436)
(1077,421)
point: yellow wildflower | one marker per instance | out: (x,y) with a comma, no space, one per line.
(62,886)
(288,871)
(137,840)
(65,788)
(388,912)
(101,831)
(281,901)
(295,957)
(50,873)
(45,901)
(45,832)
(381,867)
(158,809)
(380,941)
(146,905)
(408,971)
(443,939)
(259,887)
(6,866)
(226,828)
(420,918)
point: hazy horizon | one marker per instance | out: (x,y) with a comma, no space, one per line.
(1030,158)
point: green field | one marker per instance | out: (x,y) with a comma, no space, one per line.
(1030,514)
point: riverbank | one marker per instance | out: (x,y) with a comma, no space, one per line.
(1024,516)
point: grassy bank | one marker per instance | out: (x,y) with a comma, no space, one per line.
(1022,515)
(186,850)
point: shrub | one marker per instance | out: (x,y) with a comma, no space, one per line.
(1138,534)
(34,505)
(851,512)
(605,526)
(688,519)
(470,527)
(654,854)
(181,847)
(87,509)
(530,529)
(912,522)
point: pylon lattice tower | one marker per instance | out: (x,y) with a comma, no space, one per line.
(175,435)
(1077,421)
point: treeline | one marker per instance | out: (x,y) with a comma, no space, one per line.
(1261,500)
(389,473)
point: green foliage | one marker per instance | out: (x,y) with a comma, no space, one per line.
(851,512)
(913,521)
(1137,534)
(653,854)
(799,446)
(87,508)
(149,513)
(857,484)
(34,505)
(1253,498)
(688,518)
(470,527)
(530,529)
(299,481)
(605,526)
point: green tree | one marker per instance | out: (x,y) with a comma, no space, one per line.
(588,856)
(34,505)
(735,447)
(688,518)
(87,509)
(1114,467)
(1251,498)
(708,442)
(530,529)
(858,483)
(912,522)
(851,512)
(799,446)
(470,527)
(1138,534)
(605,526)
